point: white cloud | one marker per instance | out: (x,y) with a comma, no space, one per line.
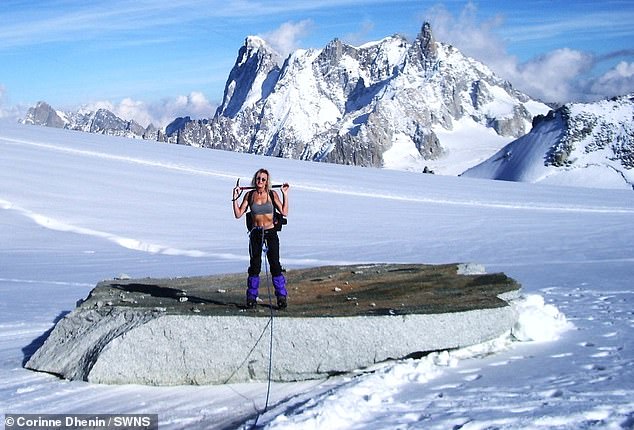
(617,81)
(194,105)
(132,109)
(471,35)
(561,75)
(161,113)
(9,112)
(552,77)
(361,36)
(286,38)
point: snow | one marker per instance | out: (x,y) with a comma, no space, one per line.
(403,155)
(538,320)
(77,208)
(502,104)
(466,145)
(522,160)
(598,176)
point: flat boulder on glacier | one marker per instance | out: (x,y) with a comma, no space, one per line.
(340,318)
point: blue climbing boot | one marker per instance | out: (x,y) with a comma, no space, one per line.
(279,283)
(253,284)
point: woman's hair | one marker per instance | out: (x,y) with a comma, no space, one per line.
(268,179)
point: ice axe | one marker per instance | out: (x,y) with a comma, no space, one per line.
(251,187)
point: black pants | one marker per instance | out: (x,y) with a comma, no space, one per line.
(272,254)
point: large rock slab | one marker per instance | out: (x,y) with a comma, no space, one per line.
(340,318)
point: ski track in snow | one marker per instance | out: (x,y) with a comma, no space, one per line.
(125,242)
(125,159)
(373,194)
(142,246)
(37,281)
(475,203)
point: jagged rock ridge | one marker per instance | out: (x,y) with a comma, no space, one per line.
(357,105)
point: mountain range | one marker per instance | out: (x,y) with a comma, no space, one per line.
(419,106)
(371,105)
(101,121)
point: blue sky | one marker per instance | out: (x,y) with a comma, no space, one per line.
(153,60)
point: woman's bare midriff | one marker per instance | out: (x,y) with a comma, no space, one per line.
(264,221)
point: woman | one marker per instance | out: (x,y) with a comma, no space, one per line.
(260,201)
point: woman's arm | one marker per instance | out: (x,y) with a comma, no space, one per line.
(282,206)
(239,209)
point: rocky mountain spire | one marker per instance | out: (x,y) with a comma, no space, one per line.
(426,42)
(423,53)
(252,78)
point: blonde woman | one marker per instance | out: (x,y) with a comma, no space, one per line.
(261,202)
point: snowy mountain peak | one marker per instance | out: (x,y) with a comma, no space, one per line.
(390,103)
(580,144)
(251,78)
(256,43)
(592,127)
(333,52)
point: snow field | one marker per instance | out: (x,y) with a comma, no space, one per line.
(78,208)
